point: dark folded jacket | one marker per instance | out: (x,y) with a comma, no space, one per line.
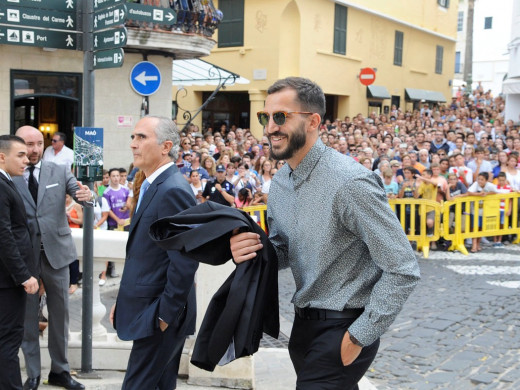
(247,303)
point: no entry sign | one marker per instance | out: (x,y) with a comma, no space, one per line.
(367,76)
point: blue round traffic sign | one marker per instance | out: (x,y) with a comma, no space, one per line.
(145,78)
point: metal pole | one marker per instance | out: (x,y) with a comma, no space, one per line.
(87,7)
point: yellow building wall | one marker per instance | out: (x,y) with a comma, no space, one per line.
(295,38)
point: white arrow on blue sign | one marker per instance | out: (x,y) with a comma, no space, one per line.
(145,78)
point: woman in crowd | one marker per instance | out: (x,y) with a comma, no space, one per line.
(185,145)
(265,175)
(469,154)
(512,172)
(197,186)
(502,163)
(209,165)
(244,179)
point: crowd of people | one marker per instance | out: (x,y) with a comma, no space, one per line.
(433,152)
(193,16)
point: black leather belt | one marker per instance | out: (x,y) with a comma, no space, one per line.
(309,313)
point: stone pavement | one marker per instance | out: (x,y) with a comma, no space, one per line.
(458,330)
(273,371)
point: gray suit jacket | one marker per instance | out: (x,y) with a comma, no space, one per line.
(48,222)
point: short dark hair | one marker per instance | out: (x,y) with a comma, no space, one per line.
(63,136)
(6,141)
(309,94)
(112,170)
(502,174)
(485,175)
(122,170)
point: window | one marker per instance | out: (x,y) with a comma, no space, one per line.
(460,21)
(231,28)
(444,3)
(398,48)
(488,23)
(340,29)
(438,59)
(457,62)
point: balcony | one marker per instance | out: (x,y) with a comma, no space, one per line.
(177,44)
(189,37)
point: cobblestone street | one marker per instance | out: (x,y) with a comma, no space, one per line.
(458,330)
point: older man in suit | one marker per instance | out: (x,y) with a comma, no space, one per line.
(43,187)
(155,306)
(16,261)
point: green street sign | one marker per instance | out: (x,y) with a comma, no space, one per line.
(109,17)
(39,18)
(55,5)
(102,4)
(104,59)
(110,39)
(42,38)
(147,13)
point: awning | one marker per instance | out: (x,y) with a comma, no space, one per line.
(511,86)
(377,92)
(412,95)
(200,72)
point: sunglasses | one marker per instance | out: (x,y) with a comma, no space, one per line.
(279,117)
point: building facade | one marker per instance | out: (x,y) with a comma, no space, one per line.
(491,34)
(44,87)
(409,43)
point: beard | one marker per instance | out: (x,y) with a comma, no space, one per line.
(296,141)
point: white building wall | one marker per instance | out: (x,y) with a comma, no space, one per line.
(512,90)
(490,46)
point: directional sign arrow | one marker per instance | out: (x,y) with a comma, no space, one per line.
(55,5)
(108,58)
(109,17)
(143,78)
(42,38)
(110,39)
(39,18)
(147,13)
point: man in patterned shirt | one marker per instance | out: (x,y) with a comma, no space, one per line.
(355,269)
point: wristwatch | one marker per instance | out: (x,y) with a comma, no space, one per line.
(355,341)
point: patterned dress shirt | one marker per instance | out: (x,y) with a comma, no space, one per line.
(330,221)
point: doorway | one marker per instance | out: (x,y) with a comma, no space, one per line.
(49,101)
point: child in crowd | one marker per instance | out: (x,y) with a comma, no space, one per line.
(391,187)
(503,188)
(480,188)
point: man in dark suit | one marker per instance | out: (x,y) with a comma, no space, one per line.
(155,306)
(16,261)
(43,187)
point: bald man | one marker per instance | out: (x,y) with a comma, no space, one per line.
(43,187)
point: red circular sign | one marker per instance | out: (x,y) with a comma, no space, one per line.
(367,76)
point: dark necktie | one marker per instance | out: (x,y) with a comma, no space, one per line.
(33,184)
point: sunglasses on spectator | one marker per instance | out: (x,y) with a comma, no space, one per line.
(279,117)
(186,143)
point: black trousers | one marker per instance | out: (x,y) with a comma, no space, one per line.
(11,334)
(154,361)
(315,350)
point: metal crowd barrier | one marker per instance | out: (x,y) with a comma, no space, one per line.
(455,220)
(259,214)
(480,216)
(412,213)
